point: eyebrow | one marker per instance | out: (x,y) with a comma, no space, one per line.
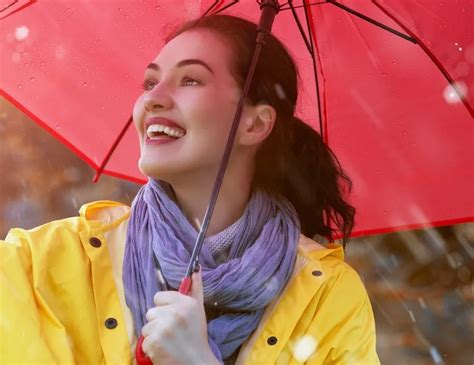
(154,66)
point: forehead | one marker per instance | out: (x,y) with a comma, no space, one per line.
(195,44)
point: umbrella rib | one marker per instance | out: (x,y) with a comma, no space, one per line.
(210,8)
(312,36)
(301,6)
(432,57)
(6,7)
(111,150)
(370,20)
(225,7)
(300,27)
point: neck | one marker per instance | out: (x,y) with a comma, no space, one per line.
(192,195)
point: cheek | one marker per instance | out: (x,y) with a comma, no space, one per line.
(214,111)
(137,114)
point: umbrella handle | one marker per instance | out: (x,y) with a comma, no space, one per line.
(140,356)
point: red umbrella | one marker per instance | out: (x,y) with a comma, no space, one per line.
(395,108)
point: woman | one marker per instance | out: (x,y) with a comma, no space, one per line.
(265,294)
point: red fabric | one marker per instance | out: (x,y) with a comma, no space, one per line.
(410,153)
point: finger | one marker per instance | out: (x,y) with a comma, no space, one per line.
(155,312)
(167,297)
(147,329)
(197,287)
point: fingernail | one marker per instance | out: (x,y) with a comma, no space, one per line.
(197,268)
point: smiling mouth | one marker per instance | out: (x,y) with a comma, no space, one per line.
(158,132)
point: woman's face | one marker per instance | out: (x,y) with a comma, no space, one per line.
(189,85)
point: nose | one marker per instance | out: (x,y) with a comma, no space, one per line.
(157,99)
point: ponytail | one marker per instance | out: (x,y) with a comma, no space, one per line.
(295,162)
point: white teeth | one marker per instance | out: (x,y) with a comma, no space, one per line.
(154,128)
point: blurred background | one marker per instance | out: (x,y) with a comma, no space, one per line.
(420,282)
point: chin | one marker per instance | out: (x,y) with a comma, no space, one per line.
(158,171)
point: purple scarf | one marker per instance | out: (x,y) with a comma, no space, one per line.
(260,261)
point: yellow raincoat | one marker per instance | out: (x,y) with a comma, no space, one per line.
(62,300)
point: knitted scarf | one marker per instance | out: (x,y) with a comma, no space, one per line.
(259,264)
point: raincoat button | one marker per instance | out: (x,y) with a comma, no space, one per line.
(94,241)
(272,340)
(110,323)
(317,273)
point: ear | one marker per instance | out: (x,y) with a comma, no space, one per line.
(257,124)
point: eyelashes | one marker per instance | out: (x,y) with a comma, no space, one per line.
(147,84)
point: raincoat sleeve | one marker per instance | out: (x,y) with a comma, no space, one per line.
(344,323)
(21,316)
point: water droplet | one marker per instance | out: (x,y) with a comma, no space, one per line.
(20,86)
(102,107)
(436,356)
(455,43)
(394,62)
(32,79)
(84,83)
(460,48)
(42,63)
(385,212)
(57,126)
(451,92)
(422,302)
(157,7)
(405,133)
(384,74)
(120,9)
(304,347)
(280,92)
(215,303)
(378,172)
(21,33)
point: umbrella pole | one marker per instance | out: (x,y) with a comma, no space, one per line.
(269,9)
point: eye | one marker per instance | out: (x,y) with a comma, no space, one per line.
(187,81)
(147,85)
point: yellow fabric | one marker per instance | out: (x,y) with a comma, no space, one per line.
(57,290)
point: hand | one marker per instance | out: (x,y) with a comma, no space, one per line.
(176,332)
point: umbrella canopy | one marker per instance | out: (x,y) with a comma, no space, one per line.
(398,114)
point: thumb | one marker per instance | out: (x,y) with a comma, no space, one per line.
(197,287)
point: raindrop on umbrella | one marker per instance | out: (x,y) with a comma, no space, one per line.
(21,33)
(450,94)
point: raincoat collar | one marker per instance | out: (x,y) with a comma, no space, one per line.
(308,249)
(97,214)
